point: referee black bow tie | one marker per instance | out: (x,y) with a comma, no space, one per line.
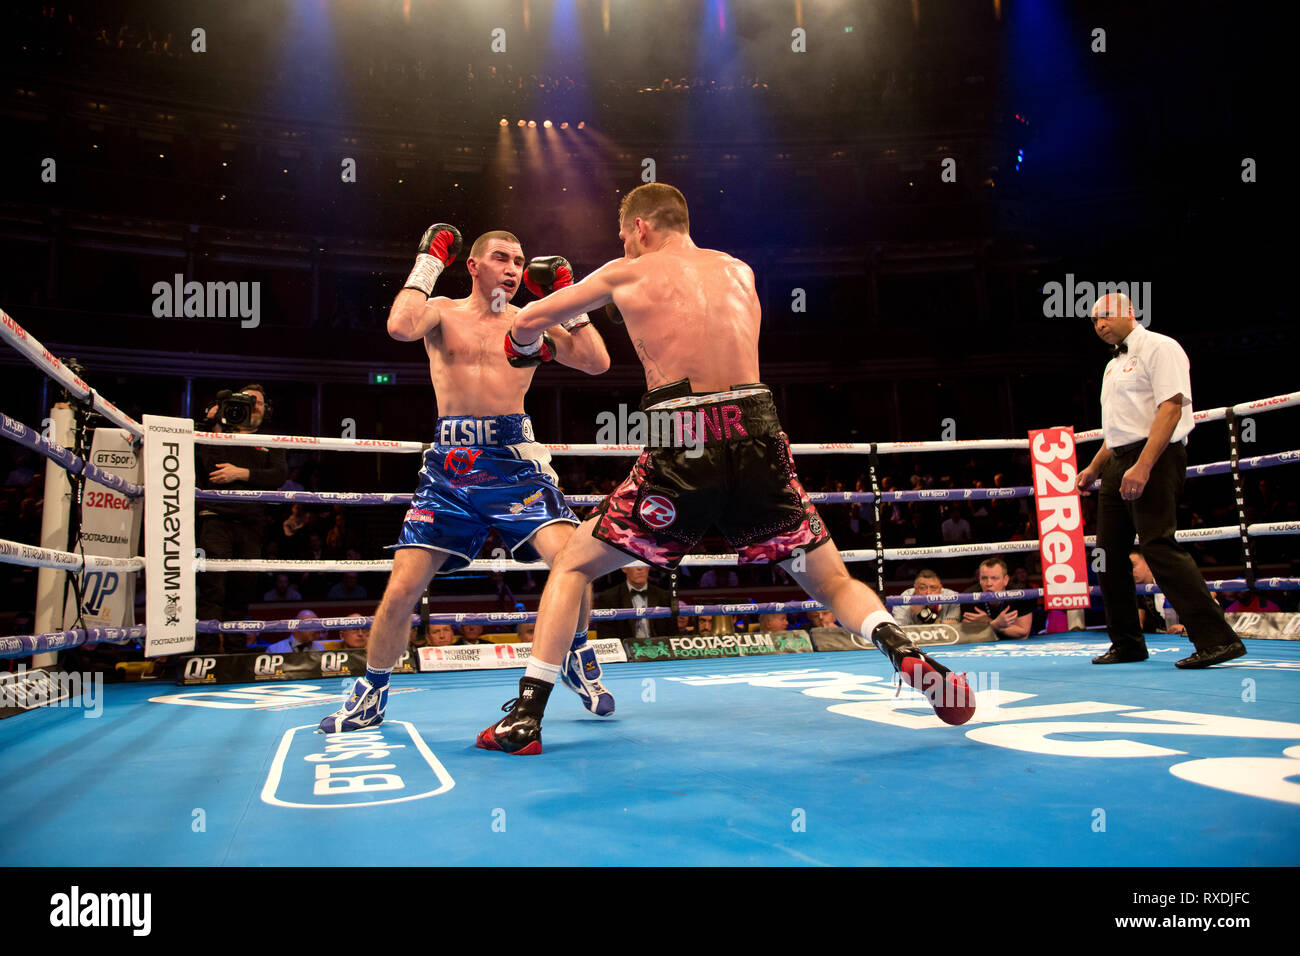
(1117,350)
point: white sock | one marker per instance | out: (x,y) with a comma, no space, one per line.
(874,620)
(540,670)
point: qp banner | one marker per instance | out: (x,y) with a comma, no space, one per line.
(1060,518)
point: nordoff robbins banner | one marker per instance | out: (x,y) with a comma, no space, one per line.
(169,535)
(110,527)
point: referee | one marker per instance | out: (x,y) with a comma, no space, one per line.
(1146,415)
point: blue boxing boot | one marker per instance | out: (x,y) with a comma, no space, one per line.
(580,672)
(364,706)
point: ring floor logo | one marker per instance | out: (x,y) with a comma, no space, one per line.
(390,763)
(1005,718)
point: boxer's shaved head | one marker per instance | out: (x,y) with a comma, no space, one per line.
(662,206)
(480,244)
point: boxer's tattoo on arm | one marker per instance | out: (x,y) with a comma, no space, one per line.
(651,366)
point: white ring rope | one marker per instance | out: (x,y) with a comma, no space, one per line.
(40,356)
(891,554)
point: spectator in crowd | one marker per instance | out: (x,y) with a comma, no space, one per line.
(339,538)
(471,634)
(298,640)
(1250,601)
(1155,614)
(23,471)
(927,582)
(315,547)
(293,482)
(635,591)
(355,637)
(716,624)
(283,591)
(348,589)
(524,632)
(919,530)
(441,635)
(294,529)
(956,530)
(821,619)
(685,624)
(773,622)
(1010,620)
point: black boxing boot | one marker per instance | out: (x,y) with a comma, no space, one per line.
(949,694)
(520,730)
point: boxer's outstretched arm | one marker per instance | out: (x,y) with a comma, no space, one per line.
(564,304)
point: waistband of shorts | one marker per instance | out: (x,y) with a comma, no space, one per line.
(491,431)
(679,395)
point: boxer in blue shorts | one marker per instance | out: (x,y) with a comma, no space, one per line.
(501,478)
(485,469)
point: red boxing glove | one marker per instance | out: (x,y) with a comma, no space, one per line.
(442,241)
(545,274)
(439,247)
(534,353)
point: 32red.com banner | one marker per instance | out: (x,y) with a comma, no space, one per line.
(1060,518)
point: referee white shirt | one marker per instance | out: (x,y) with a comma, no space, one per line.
(1153,370)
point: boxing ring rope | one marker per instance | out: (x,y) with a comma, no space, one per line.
(27,555)
(17,432)
(23,341)
(1224,533)
(11,647)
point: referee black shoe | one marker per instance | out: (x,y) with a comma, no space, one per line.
(1116,656)
(1213,655)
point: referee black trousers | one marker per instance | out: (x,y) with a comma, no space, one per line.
(1153,519)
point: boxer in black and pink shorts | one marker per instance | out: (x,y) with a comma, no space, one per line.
(725,462)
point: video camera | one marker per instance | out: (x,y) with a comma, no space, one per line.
(235,409)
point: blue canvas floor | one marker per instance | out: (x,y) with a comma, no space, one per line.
(795,760)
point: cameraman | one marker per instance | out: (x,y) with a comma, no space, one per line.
(233,529)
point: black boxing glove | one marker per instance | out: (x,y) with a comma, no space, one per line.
(439,247)
(544,275)
(534,353)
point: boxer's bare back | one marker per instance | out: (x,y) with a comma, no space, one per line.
(690,312)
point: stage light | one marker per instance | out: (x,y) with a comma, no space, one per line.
(564,126)
(581,125)
(521,123)
(532,124)
(504,121)
(546,124)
